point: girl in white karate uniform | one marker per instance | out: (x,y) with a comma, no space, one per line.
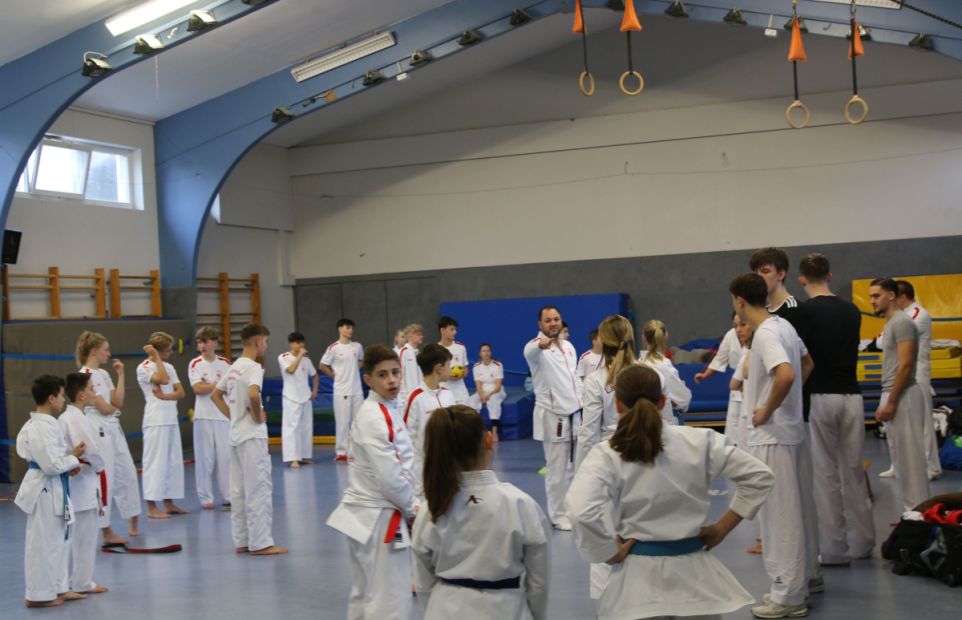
(677,394)
(653,479)
(489,387)
(481,547)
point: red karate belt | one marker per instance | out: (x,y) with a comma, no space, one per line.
(393,526)
(103,486)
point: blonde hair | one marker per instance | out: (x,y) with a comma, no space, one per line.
(638,436)
(87,342)
(655,335)
(161,341)
(617,345)
(413,328)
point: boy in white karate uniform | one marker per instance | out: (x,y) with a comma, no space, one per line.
(592,359)
(87,489)
(489,387)
(211,427)
(163,459)
(379,504)
(123,487)
(435,364)
(459,360)
(297,421)
(778,366)
(342,362)
(44,496)
(238,397)
(481,546)
(727,357)
(408,357)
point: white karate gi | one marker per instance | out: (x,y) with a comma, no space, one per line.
(677,394)
(492,531)
(421,402)
(251,487)
(588,363)
(486,376)
(345,360)
(729,353)
(557,390)
(664,501)
(41,496)
(459,357)
(297,410)
(163,457)
(123,485)
(211,433)
(411,375)
(380,498)
(85,495)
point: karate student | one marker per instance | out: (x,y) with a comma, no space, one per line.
(678,396)
(163,459)
(342,362)
(729,353)
(902,404)
(408,355)
(923,370)
(459,360)
(299,392)
(639,503)
(123,487)
(600,414)
(87,489)
(778,365)
(435,364)
(557,388)
(489,387)
(238,397)
(590,360)
(211,427)
(837,418)
(399,341)
(481,546)
(43,495)
(379,503)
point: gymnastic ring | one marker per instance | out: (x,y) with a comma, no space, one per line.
(856,100)
(641,83)
(805,118)
(590,90)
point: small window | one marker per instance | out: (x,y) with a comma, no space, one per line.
(62,170)
(108,179)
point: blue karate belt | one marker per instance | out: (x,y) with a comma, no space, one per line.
(667,547)
(65,483)
(512,583)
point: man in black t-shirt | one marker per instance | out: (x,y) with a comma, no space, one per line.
(837,420)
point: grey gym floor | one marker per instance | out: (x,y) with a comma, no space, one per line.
(206,579)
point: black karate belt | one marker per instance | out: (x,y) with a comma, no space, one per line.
(572,431)
(512,583)
(123,548)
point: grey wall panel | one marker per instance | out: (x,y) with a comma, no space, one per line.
(316,311)
(364,302)
(412,300)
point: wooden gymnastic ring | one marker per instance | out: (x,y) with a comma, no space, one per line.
(852,119)
(590,90)
(805,118)
(641,83)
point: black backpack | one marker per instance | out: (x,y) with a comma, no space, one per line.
(932,549)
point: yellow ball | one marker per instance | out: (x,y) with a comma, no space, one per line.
(457,372)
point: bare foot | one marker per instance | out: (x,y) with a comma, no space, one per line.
(97,590)
(207,506)
(494,436)
(54,603)
(174,510)
(157,513)
(296,465)
(272,550)
(755,549)
(112,538)
(241,550)
(72,596)
(132,530)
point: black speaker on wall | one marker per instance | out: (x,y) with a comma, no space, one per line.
(11,246)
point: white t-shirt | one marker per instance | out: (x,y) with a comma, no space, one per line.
(201,371)
(775,342)
(103,385)
(588,363)
(243,373)
(459,357)
(297,384)
(344,360)
(729,352)
(157,412)
(486,375)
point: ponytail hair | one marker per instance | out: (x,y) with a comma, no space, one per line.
(638,436)
(656,334)
(617,345)
(87,342)
(453,443)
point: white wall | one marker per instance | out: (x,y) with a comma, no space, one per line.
(77,237)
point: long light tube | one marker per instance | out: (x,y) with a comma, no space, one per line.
(342,56)
(143,14)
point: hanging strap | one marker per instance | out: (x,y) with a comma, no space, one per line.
(796,54)
(854,51)
(586,81)
(629,23)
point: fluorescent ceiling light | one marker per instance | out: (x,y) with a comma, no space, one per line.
(878,4)
(143,14)
(341,57)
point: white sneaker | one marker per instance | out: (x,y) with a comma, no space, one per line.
(888,473)
(767,598)
(772,609)
(934,475)
(562,525)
